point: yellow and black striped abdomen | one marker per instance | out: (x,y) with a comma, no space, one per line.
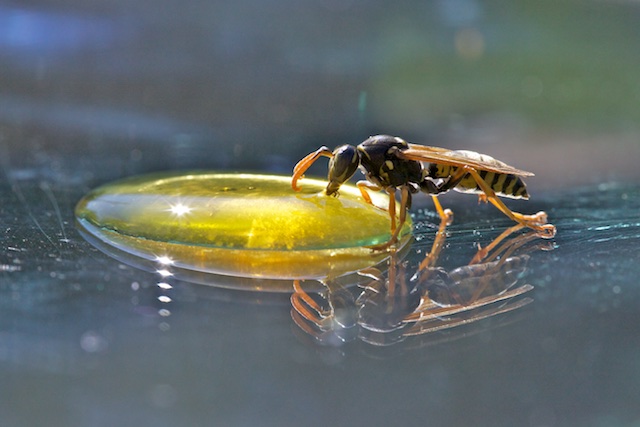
(505,185)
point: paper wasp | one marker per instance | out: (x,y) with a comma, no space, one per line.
(390,163)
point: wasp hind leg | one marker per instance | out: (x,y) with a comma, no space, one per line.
(536,222)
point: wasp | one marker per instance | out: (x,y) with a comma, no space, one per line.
(389,163)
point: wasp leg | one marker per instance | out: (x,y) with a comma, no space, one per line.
(535,222)
(363,186)
(446,215)
(392,211)
(405,200)
(300,168)
(430,187)
(392,215)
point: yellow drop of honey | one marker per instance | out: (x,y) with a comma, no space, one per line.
(244,225)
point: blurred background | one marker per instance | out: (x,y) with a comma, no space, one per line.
(92,91)
(549,87)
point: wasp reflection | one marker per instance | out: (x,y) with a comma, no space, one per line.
(387,307)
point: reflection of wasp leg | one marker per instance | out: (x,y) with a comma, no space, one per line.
(434,321)
(484,251)
(397,280)
(385,285)
(506,249)
(492,267)
(429,311)
(335,320)
(308,308)
(304,164)
(535,222)
(429,260)
(509,246)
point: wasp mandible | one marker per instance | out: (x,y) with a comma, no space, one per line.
(389,163)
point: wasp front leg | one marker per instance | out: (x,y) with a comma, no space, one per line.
(301,167)
(365,187)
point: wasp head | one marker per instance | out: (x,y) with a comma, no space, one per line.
(342,166)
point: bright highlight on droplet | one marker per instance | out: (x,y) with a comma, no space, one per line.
(180,210)
(164,260)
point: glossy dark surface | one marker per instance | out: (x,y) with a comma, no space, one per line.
(91,92)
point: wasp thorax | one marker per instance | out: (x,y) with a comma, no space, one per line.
(342,166)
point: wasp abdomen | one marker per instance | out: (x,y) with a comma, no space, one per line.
(506,185)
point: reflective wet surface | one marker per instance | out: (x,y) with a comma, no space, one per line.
(91,93)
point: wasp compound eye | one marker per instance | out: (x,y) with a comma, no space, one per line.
(342,166)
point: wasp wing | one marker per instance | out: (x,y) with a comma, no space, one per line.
(423,153)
